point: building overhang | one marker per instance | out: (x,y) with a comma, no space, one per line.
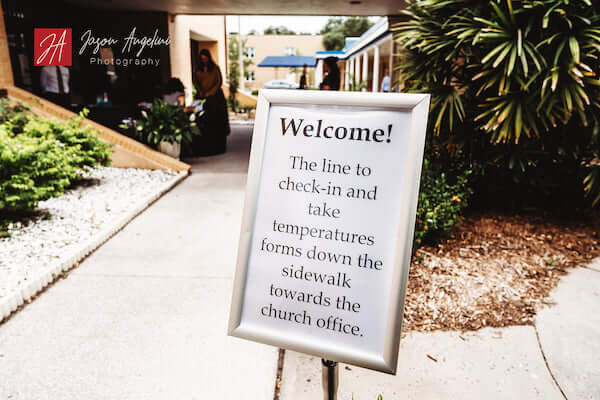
(255,7)
(288,61)
(375,34)
(330,53)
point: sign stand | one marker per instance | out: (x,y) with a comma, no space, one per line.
(330,377)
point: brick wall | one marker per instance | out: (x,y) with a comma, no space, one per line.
(6,76)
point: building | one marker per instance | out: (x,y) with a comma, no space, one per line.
(124,84)
(258,47)
(103,73)
(192,25)
(366,60)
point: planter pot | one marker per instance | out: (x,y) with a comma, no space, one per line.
(170,149)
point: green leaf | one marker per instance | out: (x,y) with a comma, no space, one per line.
(574,47)
(494,52)
(512,59)
(500,14)
(518,122)
(501,56)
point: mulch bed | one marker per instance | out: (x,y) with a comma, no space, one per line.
(494,271)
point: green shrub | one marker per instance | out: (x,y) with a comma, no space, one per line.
(88,149)
(40,158)
(441,202)
(255,92)
(165,122)
(515,93)
(15,114)
(31,170)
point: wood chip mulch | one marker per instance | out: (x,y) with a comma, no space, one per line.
(494,271)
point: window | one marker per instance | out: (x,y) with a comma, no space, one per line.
(249,52)
(250,76)
(290,51)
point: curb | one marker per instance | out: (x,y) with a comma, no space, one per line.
(25,291)
(241,122)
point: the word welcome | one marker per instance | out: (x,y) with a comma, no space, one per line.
(295,126)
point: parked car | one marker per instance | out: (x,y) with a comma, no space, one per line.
(279,84)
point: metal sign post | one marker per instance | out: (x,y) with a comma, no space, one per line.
(330,377)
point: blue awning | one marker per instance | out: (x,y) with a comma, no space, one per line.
(288,61)
(329,53)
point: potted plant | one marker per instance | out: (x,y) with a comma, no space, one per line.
(166,126)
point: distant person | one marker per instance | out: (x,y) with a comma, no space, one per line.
(386,82)
(332,74)
(174,92)
(207,81)
(54,81)
(303,78)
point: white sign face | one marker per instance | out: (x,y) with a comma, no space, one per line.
(328,224)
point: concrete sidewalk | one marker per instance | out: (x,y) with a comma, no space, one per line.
(145,317)
(558,358)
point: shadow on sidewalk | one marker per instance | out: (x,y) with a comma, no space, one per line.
(235,160)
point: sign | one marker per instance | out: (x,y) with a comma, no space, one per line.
(328,223)
(52,46)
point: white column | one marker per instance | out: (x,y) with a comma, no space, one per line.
(357,70)
(365,71)
(391,63)
(376,69)
(319,73)
(349,64)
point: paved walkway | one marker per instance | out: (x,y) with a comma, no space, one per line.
(145,317)
(558,358)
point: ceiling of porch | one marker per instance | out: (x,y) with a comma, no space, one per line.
(256,7)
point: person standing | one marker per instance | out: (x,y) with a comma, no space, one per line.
(332,74)
(207,80)
(54,81)
(303,78)
(386,81)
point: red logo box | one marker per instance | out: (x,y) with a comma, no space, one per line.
(52,46)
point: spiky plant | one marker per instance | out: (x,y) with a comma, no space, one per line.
(515,83)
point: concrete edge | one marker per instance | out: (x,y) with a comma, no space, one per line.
(243,122)
(11,302)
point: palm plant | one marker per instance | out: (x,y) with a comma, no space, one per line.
(515,83)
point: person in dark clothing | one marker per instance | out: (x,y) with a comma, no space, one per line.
(215,128)
(303,78)
(174,92)
(332,74)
